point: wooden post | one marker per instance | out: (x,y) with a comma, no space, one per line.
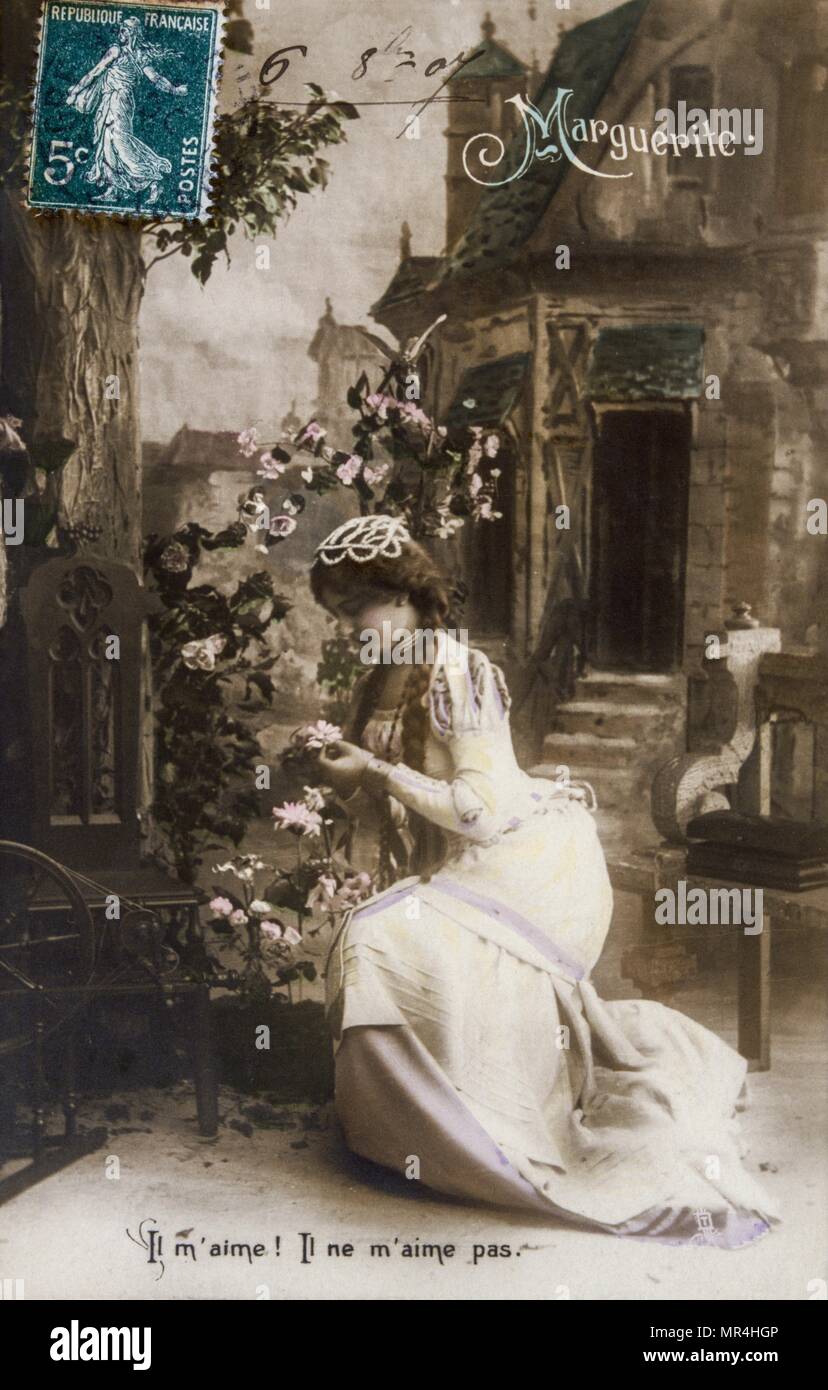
(754,997)
(204,1068)
(535,524)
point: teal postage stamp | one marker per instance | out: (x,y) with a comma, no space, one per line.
(124,107)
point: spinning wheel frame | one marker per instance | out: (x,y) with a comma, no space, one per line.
(19,954)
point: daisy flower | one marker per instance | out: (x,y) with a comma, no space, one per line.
(318,735)
(298,818)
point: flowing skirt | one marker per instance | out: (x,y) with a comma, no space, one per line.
(120,159)
(469,1038)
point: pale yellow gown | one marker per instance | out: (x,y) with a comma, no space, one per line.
(468,1035)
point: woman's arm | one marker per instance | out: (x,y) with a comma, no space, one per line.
(109,57)
(360,804)
(467,805)
(468,704)
(163,83)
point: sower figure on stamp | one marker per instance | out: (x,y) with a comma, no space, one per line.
(468,1034)
(121,162)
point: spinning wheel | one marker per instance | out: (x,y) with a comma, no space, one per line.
(47,964)
(53,963)
(47,937)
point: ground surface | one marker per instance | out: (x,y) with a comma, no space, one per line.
(281,1171)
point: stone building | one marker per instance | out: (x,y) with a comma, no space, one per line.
(342,353)
(654,346)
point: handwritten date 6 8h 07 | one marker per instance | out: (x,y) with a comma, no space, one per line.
(277,63)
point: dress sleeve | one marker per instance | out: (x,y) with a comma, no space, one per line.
(468,704)
(362,805)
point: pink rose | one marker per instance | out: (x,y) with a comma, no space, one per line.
(349,470)
(311,433)
(248,442)
(220,907)
(271,467)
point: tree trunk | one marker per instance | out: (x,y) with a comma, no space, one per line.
(71,290)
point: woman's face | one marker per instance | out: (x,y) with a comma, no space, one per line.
(358,613)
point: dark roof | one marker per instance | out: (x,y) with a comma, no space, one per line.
(410,279)
(506,216)
(494,61)
(347,340)
(204,448)
(653,361)
(487,393)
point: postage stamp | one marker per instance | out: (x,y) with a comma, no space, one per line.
(124,108)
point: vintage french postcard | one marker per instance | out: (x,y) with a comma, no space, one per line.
(124,109)
(414,667)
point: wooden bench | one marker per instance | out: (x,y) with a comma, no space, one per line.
(645,872)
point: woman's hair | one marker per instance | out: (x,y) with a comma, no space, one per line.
(138,43)
(414,575)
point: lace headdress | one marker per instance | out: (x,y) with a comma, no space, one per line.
(363,538)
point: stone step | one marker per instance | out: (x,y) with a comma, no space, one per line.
(622,831)
(615,788)
(631,688)
(590,750)
(607,718)
(613,793)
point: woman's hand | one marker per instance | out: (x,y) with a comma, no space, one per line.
(343,765)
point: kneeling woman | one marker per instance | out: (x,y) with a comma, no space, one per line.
(466,1029)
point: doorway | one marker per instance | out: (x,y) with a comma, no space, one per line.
(489,561)
(640,481)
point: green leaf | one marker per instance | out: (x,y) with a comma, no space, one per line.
(263,684)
